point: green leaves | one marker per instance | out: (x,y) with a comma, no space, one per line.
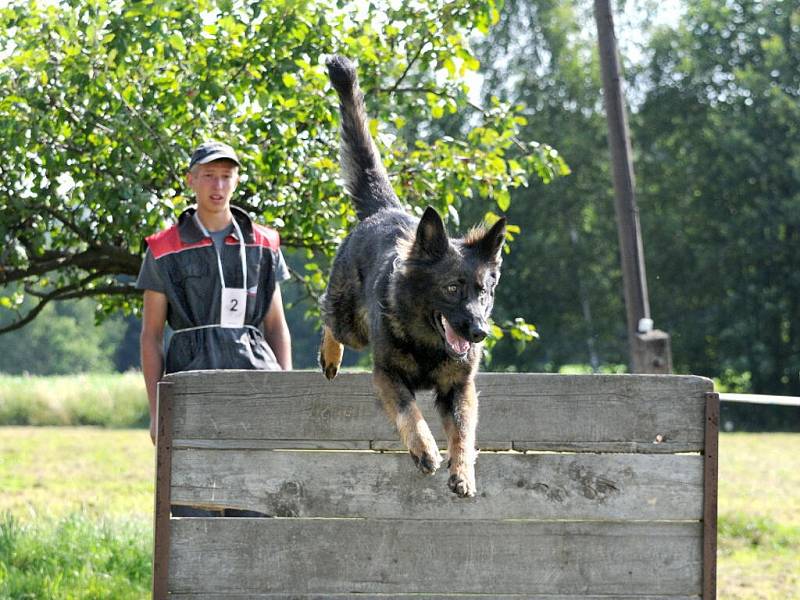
(120,93)
(517,329)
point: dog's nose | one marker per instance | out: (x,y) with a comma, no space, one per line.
(478,332)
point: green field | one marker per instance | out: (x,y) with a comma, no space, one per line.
(75,513)
(78,500)
(108,400)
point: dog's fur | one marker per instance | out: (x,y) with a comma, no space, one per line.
(421,299)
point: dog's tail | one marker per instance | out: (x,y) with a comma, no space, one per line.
(365,177)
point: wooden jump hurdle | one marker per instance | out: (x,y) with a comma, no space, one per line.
(589,486)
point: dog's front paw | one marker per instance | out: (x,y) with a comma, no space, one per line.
(462,485)
(427,462)
(462,476)
(330,371)
(330,354)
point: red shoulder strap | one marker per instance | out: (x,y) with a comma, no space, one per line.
(169,241)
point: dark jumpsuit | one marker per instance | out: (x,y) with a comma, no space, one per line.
(186,271)
(181,263)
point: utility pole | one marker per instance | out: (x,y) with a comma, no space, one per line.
(649,348)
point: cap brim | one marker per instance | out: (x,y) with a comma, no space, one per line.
(216,156)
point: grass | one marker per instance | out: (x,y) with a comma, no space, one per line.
(74,557)
(759,516)
(58,471)
(78,509)
(75,513)
(114,400)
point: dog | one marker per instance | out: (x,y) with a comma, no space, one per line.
(419,298)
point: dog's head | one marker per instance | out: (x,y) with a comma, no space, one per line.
(452,281)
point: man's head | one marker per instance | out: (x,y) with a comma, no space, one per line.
(213,176)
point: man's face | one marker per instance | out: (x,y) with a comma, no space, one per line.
(213,185)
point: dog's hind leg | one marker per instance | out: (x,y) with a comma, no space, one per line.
(330,354)
(459,409)
(399,403)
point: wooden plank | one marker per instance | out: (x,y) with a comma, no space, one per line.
(397,445)
(248,444)
(161,526)
(329,556)
(761,399)
(710,481)
(510,486)
(654,447)
(520,408)
(232,596)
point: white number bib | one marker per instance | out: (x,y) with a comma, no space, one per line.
(234,303)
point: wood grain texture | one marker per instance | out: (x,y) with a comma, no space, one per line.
(426,596)
(333,556)
(162,529)
(629,413)
(710,493)
(510,486)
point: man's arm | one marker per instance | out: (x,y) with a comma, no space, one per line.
(152,348)
(276,331)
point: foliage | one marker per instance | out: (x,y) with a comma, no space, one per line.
(62,340)
(719,177)
(565,276)
(714,120)
(74,558)
(105,98)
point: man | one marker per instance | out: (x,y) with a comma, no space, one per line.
(214,277)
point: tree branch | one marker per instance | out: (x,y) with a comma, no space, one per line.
(408,67)
(27,319)
(155,135)
(102,260)
(438,92)
(310,291)
(69,292)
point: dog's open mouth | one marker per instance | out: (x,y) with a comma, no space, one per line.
(456,345)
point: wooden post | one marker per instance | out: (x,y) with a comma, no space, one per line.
(710,492)
(651,352)
(161,529)
(650,349)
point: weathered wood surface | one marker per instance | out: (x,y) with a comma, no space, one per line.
(330,556)
(710,490)
(626,524)
(161,510)
(604,413)
(426,596)
(510,486)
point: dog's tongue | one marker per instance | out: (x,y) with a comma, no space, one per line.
(456,342)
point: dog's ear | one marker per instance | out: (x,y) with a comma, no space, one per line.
(492,241)
(431,239)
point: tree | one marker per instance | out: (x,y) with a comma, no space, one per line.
(104,99)
(543,57)
(718,133)
(63,340)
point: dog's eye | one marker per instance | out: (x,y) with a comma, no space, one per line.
(451,289)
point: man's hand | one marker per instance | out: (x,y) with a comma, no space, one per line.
(276,331)
(152,345)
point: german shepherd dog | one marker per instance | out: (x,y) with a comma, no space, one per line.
(420,298)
